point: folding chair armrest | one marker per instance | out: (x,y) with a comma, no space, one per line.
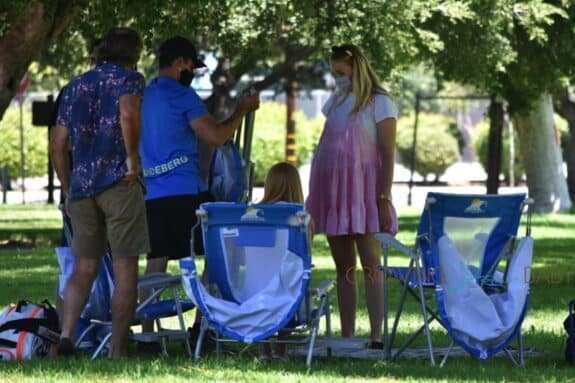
(387,240)
(324,287)
(156,280)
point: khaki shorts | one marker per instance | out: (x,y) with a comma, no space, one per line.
(117,216)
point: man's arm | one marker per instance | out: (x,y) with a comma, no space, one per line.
(217,133)
(59,139)
(130,121)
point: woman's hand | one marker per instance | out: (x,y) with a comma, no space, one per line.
(387,216)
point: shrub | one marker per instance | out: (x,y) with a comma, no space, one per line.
(269,142)
(481,141)
(436,148)
(35,144)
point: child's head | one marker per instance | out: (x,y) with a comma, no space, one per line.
(282,184)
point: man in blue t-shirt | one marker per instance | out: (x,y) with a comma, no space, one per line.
(173,117)
(99,115)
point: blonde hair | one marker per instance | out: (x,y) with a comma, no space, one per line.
(282,184)
(364,79)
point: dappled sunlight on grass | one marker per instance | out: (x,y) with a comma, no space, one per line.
(31,273)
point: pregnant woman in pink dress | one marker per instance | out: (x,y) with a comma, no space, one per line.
(350,182)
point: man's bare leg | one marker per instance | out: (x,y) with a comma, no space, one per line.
(154,265)
(77,293)
(123,304)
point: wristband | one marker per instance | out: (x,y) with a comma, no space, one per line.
(385,197)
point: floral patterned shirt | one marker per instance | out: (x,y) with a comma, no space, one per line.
(90,110)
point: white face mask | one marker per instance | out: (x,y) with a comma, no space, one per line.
(343,82)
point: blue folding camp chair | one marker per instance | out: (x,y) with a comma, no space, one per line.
(95,324)
(259,266)
(460,245)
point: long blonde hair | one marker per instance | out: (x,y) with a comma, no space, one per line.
(282,184)
(364,79)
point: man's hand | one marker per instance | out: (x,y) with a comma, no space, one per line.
(250,101)
(133,164)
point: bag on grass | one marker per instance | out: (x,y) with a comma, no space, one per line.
(27,330)
(569,325)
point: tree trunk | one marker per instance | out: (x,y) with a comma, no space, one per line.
(494,145)
(566,109)
(542,157)
(291,95)
(26,37)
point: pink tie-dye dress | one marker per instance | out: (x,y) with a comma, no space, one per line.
(346,169)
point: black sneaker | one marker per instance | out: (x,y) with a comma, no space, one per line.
(66,348)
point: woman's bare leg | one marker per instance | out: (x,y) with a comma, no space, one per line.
(369,254)
(343,253)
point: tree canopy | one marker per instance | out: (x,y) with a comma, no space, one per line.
(517,50)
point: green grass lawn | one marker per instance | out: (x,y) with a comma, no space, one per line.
(30,271)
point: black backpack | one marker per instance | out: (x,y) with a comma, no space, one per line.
(569,325)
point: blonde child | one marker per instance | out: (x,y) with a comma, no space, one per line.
(282,184)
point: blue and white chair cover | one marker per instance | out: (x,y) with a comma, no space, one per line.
(461,241)
(259,265)
(94,328)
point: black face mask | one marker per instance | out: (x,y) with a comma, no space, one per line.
(186,77)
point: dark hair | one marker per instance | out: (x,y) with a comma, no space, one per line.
(94,50)
(120,45)
(176,47)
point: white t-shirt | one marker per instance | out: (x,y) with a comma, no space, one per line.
(382,108)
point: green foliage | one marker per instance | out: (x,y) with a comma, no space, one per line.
(436,148)
(35,144)
(481,142)
(268,145)
(518,52)
(10,10)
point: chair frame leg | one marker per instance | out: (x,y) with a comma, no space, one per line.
(424,310)
(314,329)
(444,360)
(427,314)
(521,350)
(200,340)
(103,344)
(180,312)
(328,327)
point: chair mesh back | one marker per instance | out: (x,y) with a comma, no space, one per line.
(252,257)
(480,226)
(258,264)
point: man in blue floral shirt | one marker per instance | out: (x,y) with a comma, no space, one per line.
(99,115)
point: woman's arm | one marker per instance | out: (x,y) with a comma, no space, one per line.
(386,141)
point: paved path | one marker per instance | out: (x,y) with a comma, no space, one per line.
(458,177)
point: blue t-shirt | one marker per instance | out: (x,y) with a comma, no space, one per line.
(168,145)
(89,109)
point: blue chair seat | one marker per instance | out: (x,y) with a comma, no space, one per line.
(163,309)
